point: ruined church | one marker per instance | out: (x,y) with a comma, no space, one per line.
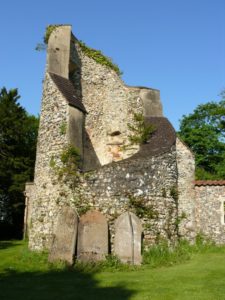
(118,198)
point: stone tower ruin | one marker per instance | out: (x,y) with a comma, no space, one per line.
(87,107)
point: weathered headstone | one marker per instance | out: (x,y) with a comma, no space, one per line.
(127,242)
(92,242)
(64,240)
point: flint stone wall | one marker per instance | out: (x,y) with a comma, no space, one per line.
(112,189)
(110,105)
(118,178)
(46,196)
(210,211)
(123,179)
(186,191)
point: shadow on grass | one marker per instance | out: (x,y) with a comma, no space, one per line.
(8,244)
(57,285)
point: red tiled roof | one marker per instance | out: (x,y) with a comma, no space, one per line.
(209,182)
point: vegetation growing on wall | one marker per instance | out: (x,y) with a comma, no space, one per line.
(49,30)
(138,205)
(69,164)
(179,219)
(96,55)
(164,195)
(99,57)
(140,131)
(68,171)
(63,128)
(81,203)
(174,194)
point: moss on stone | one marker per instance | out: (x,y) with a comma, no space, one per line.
(99,57)
(49,30)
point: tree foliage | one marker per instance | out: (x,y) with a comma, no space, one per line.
(18,134)
(204,132)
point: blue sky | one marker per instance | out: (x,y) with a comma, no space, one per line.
(177,46)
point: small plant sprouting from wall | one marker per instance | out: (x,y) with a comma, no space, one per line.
(68,171)
(163,192)
(140,131)
(62,128)
(96,55)
(70,161)
(99,57)
(179,219)
(82,204)
(70,158)
(174,194)
(49,30)
(52,162)
(173,220)
(139,207)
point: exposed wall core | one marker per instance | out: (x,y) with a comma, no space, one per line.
(86,105)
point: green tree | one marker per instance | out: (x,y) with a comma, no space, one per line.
(18,135)
(204,132)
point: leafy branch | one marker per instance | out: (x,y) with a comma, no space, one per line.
(141,132)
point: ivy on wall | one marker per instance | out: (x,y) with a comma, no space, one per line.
(68,171)
(138,205)
(96,55)
(70,160)
(99,57)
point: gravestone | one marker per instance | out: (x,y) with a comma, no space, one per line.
(127,242)
(64,240)
(92,237)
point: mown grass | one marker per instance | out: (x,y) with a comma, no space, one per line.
(195,272)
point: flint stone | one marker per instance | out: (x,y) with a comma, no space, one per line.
(92,237)
(64,240)
(128,231)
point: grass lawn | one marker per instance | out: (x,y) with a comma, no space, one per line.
(28,276)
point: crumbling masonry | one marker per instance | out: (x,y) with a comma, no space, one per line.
(85,105)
